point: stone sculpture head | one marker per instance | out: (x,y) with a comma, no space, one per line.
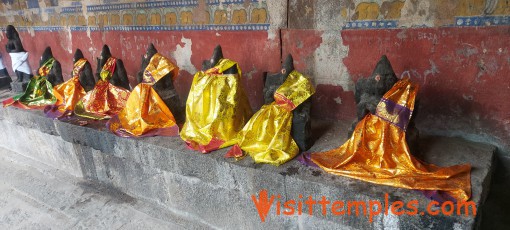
(14,42)
(383,76)
(287,66)
(77,55)
(370,90)
(151,50)
(11,32)
(217,55)
(273,81)
(101,60)
(146,58)
(47,54)
(215,58)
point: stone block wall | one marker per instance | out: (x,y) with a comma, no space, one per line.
(218,192)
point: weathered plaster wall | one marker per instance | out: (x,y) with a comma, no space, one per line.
(456,50)
(184,30)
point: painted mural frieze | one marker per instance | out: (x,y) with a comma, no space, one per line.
(375,14)
(140,15)
(234,15)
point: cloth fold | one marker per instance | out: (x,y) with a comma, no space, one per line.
(105,100)
(217,108)
(145,113)
(378,153)
(39,91)
(20,62)
(267,135)
(67,93)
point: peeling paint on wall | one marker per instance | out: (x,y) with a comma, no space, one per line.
(412,13)
(416,13)
(278,14)
(182,56)
(328,67)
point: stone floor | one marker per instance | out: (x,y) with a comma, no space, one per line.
(36,196)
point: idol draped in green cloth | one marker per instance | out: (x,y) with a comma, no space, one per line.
(39,92)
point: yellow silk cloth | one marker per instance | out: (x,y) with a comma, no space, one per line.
(105,100)
(71,91)
(217,108)
(378,153)
(267,135)
(146,114)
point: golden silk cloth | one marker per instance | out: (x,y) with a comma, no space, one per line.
(378,153)
(68,93)
(267,135)
(217,108)
(146,114)
(39,91)
(105,100)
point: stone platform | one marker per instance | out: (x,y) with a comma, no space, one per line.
(218,192)
(18,87)
(5,81)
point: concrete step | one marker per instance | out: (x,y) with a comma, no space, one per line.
(218,192)
(37,196)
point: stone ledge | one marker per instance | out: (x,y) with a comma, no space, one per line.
(5,81)
(18,87)
(217,190)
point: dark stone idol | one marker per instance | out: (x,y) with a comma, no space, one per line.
(216,57)
(164,87)
(301,121)
(86,77)
(369,91)
(55,74)
(19,59)
(119,77)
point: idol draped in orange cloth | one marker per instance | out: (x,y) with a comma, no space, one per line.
(378,153)
(217,108)
(146,114)
(67,93)
(105,100)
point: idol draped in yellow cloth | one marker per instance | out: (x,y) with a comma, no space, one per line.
(146,114)
(378,153)
(217,108)
(67,93)
(39,92)
(105,100)
(267,135)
